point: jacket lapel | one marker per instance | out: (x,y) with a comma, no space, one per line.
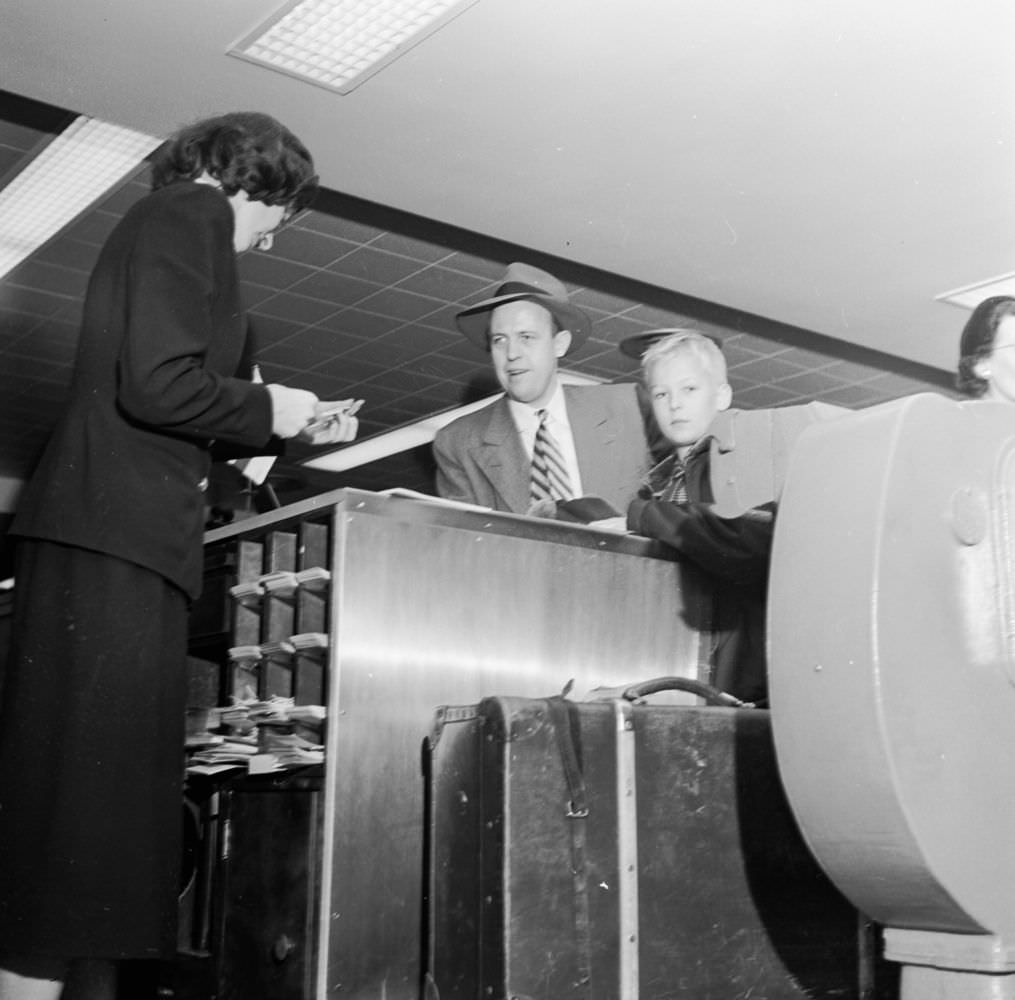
(593,430)
(501,457)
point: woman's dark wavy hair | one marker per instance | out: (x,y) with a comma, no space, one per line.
(244,151)
(977,342)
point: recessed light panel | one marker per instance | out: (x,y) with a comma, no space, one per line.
(76,169)
(970,296)
(338,44)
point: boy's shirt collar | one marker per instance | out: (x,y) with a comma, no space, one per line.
(659,476)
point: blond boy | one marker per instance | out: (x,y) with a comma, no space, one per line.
(685,377)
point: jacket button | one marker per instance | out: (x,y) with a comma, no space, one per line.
(203,484)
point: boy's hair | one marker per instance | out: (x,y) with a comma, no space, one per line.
(977,342)
(243,150)
(685,342)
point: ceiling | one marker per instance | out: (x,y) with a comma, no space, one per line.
(801,178)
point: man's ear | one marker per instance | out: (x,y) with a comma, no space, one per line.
(981,369)
(724,396)
(561,342)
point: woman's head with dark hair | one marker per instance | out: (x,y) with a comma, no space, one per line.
(243,151)
(975,375)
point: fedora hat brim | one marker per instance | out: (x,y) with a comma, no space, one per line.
(474,322)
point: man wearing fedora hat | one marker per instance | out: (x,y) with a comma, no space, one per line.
(597,433)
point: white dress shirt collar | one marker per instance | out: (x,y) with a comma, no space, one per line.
(526,419)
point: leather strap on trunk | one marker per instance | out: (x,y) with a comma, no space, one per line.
(577,812)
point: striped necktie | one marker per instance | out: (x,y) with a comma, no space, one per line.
(550,480)
(675,490)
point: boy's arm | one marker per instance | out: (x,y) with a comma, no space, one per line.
(735,549)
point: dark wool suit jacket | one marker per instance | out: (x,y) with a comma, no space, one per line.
(481,459)
(735,553)
(163,336)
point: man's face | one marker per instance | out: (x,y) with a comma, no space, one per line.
(686,396)
(525,349)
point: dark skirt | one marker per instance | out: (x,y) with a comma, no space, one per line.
(91,758)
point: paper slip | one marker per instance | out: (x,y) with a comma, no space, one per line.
(246,591)
(401,491)
(315,578)
(309,640)
(279,583)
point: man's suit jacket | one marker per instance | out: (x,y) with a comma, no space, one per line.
(481,459)
(163,337)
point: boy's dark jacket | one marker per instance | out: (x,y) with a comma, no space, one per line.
(734,552)
(733,482)
(734,549)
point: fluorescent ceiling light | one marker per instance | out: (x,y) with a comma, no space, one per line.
(410,435)
(338,44)
(76,169)
(970,296)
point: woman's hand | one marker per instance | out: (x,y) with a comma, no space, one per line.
(333,423)
(291,410)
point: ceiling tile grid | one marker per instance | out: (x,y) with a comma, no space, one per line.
(362,302)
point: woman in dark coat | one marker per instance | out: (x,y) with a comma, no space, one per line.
(110,551)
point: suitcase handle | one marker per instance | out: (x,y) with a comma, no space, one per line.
(711,695)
